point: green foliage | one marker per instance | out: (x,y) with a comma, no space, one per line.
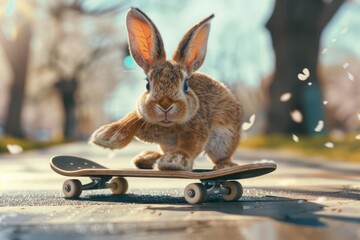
(24,143)
(345,148)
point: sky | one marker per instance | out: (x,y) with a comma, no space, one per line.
(239,47)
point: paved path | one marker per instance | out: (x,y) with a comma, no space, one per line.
(302,199)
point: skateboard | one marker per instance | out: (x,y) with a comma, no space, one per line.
(212,182)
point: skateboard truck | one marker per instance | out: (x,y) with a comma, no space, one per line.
(215,187)
(195,193)
(73,188)
(98,183)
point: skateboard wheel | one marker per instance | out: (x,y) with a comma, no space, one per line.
(72,188)
(120,185)
(195,193)
(236,191)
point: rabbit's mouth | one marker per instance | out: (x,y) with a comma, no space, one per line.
(167,115)
(167,122)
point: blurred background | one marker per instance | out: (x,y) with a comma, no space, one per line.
(65,68)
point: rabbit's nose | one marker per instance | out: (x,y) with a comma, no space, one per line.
(167,109)
(165,104)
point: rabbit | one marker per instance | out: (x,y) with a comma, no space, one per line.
(183,111)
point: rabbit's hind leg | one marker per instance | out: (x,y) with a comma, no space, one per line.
(174,159)
(221,146)
(146,160)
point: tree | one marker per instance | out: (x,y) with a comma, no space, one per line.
(296,28)
(15,37)
(67,84)
(75,43)
(15,40)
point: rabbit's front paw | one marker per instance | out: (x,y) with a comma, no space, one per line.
(111,136)
(175,161)
(222,165)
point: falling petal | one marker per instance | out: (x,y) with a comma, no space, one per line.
(319,126)
(285,97)
(304,75)
(252,118)
(345,65)
(324,50)
(325,102)
(306,71)
(309,83)
(357,137)
(350,76)
(333,40)
(248,125)
(329,145)
(296,116)
(295,138)
(344,30)
(14,149)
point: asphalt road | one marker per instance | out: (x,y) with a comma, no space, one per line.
(303,199)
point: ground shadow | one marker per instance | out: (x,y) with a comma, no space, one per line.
(285,209)
(292,211)
(140,198)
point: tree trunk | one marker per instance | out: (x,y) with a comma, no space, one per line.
(67,90)
(296,28)
(17,53)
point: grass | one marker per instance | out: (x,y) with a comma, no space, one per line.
(345,148)
(24,143)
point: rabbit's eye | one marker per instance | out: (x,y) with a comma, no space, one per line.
(147,84)
(186,86)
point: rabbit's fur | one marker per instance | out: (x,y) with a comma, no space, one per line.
(185,112)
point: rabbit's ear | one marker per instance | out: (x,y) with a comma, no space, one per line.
(191,51)
(145,43)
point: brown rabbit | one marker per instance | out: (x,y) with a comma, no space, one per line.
(185,112)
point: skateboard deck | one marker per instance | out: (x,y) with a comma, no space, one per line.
(80,167)
(212,181)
